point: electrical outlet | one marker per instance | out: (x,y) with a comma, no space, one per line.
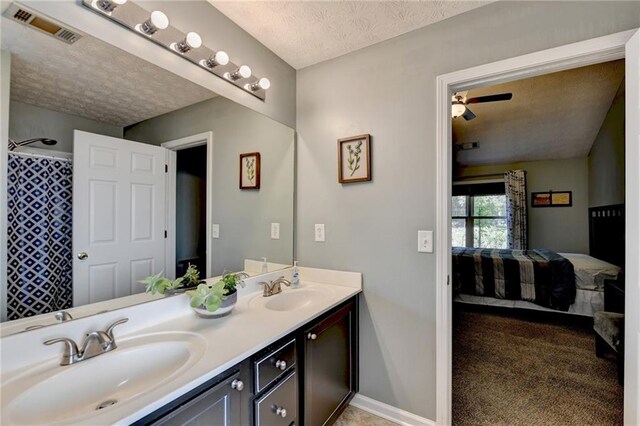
(319,232)
(425,241)
(275,231)
(215,230)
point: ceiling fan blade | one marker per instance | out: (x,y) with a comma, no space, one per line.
(468,115)
(490,98)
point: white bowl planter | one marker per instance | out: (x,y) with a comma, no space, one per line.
(225,308)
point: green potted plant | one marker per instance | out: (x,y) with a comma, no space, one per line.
(157,284)
(218,300)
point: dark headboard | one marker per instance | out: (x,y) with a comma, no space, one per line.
(606,233)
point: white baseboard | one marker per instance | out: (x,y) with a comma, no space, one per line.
(386,411)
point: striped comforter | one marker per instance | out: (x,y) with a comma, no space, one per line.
(540,276)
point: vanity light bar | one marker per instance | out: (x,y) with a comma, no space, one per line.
(155,26)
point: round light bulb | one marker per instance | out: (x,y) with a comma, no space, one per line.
(457,110)
(119,2)
(193,40)
(244,71)
(159,20)
(221,57)
(264,83)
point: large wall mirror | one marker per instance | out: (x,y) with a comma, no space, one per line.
(119,169)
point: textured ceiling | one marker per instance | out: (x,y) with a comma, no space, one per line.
(91,78)
(553,116)
(304,33)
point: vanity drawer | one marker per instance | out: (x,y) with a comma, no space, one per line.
(279,406)
(273,365)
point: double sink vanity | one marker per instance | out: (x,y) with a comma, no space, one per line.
(287,359)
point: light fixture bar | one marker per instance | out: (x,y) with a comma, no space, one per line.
(188,46)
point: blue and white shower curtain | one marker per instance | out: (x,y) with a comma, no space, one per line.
(39,217)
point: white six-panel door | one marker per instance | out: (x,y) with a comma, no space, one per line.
(118,216)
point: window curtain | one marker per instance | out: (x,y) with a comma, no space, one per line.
(39,263)
(515,186)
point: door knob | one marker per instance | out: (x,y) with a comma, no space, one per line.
(83,255)
(312,336)
(282,365)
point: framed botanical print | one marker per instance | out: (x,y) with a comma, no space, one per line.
(250,170)
(354,159)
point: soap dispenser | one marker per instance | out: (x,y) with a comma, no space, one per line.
(295,275)
(265,266)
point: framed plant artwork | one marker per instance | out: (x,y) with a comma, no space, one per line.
(354,159)
(250,170)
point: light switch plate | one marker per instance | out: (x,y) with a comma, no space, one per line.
(275,231)
(215,230)
(425,241)
(319,232)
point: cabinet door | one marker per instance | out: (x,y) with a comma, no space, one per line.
(329,366)
(220,406)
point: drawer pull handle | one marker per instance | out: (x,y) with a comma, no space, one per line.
(282,365)
(280,411)
(237,385)
(312,336)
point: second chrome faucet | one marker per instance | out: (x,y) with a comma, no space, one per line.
(274,287)
(95,343)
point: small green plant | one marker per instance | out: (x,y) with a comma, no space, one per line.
(157,284)
(191,276)
(209,297)
(230,282)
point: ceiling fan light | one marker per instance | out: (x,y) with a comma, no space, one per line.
(457,110)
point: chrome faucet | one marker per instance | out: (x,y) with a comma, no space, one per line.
(95,343)
(274,287)
(63,316)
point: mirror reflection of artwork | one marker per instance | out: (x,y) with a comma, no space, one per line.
(551,199)
(250,170)
(354,159)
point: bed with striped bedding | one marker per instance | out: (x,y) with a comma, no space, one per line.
(539,276)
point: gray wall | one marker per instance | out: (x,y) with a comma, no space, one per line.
(28,121)
(217,31)
(562,229)
(606,159)
(244,216)
(389,91)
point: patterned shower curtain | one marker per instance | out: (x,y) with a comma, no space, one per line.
(515,183)
(39,263)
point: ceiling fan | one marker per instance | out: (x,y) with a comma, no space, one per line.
(459,103)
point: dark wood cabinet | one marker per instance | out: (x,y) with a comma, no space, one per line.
(220,405)
(306,378)
(330,365)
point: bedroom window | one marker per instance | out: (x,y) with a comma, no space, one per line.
(479,216)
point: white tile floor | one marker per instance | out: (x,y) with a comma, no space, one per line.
(355,417)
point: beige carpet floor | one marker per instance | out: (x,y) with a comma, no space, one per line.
(512,371)
(353,416)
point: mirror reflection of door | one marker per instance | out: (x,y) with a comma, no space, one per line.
(118,216)
(191,209)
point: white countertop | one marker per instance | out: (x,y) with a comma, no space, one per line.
(228,340)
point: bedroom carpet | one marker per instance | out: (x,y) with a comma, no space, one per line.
(511,371)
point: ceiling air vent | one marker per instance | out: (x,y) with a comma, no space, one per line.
(48,26)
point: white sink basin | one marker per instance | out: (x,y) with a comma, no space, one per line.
(52,394)
(290,300)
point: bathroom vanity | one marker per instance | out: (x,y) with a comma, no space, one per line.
(306,378)
(287,359)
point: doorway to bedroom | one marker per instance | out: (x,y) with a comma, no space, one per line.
(537,229)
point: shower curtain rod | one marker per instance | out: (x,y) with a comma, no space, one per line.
(39,155)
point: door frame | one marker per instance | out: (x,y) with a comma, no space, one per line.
(588,52)
(172,146)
